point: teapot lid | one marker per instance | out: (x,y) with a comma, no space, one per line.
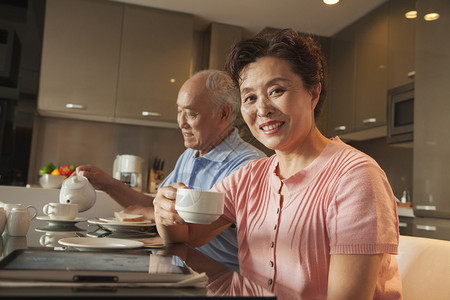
(75,182)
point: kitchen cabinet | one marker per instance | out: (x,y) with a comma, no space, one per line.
(219,40)
(79,68)
(358,69)
(371,69)
(405,225)
(342,87)
(431,152)
(433,228)
(113,62)
(155,61)
(401,43)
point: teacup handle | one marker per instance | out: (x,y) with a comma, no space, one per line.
(35,211)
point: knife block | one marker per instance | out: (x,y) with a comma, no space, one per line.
(155,179)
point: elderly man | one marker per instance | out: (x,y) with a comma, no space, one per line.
(208,103)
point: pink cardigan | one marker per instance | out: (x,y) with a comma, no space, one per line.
(342,203)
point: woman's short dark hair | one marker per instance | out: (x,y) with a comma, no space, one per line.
(302,53)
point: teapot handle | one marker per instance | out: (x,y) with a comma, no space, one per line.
(35,211)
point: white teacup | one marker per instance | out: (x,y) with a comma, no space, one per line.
(61,211)
(202,207)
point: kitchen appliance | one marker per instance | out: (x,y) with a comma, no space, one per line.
(401,114)
(129,169)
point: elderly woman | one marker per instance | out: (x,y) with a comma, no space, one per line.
(317,218)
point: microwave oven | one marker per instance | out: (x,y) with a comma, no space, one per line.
(400,114)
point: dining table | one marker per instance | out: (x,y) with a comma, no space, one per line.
(219,280)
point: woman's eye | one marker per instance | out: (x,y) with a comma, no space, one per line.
(249,98)
(276,91)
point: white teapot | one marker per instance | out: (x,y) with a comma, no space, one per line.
(78,190)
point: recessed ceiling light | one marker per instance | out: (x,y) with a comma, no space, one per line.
(330,2)
(431,16)
(411,14)
(172,80)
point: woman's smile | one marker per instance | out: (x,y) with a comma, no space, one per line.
(271,127)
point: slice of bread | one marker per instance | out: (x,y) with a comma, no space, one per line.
(123,217)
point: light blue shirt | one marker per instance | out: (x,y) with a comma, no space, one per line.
(201,173)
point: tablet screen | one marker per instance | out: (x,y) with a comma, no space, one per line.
(94,261)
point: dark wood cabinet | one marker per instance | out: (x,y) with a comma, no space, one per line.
(341,97)
(431,152)
(358,84)
(401,43)
(371,69)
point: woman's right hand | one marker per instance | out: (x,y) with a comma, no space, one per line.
(164,205)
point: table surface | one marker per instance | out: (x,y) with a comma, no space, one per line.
(221,280)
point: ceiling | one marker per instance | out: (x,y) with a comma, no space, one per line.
(309,16)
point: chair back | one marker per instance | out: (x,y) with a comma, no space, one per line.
(424,266)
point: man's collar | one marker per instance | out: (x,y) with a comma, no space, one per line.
(221,151)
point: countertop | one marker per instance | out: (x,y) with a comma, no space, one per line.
(38,197)
(405,210)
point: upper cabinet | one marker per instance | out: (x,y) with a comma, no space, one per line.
(342,88)
(80,55)
(358,67)
(155,60)
(371,69)
(358,78)
(107,61)
(220,38)
(401,43)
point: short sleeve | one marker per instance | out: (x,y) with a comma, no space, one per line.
(362,216)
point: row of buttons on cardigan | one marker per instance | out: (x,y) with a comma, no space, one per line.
(272,244)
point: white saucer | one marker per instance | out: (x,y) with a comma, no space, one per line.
(65,228)
(89,243)
(60,222)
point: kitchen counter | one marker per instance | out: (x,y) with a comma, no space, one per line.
(38,197)
(404,211)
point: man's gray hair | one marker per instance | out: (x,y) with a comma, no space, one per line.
(223,91)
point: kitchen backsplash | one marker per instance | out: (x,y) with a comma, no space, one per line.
(397,163)
(68,141)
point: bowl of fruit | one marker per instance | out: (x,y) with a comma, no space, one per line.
(52,177)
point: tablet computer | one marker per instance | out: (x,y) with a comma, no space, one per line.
(39,264)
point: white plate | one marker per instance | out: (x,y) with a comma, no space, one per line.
(118,222)
(123,226)
(60,222)
(89,243)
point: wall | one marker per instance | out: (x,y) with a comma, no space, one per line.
(67,141)
(397,162)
